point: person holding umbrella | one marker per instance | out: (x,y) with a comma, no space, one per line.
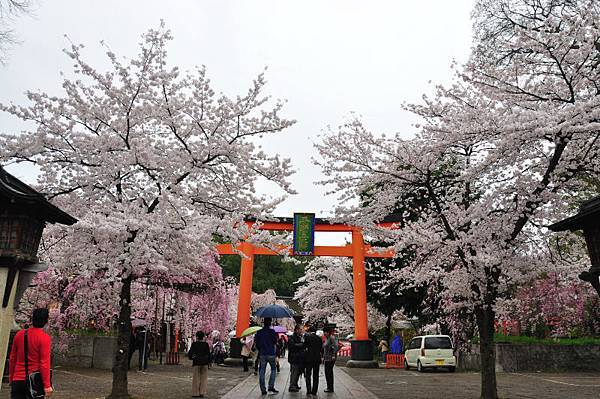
(249,346)
(247,343)
(266,341)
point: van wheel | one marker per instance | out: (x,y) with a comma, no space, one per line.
(452,369)
(420,368)
(406,366)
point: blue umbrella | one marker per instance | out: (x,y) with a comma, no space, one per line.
(274,312)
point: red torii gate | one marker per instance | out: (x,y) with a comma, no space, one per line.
(362,354)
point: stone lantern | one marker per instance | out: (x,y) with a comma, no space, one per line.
(588,220)
(23,215)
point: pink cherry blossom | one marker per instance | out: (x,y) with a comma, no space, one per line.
(153,163)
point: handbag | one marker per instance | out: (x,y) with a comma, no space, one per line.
(33,382)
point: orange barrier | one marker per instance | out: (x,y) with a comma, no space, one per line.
(173,358)
(511,327)
(345,351)
(394,361)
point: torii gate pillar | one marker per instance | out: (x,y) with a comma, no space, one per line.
(361,325)
(245,292)
(362,347)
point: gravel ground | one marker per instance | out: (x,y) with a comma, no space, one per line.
(159,382)
(393,384)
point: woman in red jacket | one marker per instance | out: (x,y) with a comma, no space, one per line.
(38,347)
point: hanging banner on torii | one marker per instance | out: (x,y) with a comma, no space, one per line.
(304,234)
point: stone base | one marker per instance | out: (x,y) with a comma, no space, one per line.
(362,364)
(362,349)
(235,353)
(235,348)
(362,355)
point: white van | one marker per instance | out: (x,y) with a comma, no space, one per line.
(430,351)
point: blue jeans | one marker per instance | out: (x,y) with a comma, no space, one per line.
(263,369)
(383,356)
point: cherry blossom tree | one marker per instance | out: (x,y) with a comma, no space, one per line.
(513,135)
(153,163)
(232,297)
(269,297)
(81,303)
(564,306)
(326,292)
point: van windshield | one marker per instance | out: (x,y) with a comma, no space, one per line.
(438,343)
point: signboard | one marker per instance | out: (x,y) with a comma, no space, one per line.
(304,234)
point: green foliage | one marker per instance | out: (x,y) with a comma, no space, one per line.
(269,272)
(388,298)
(524,339)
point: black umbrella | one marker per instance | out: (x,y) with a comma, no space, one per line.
(274,312)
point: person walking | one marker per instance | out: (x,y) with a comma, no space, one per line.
(37,347)
(296,357)
(256,358)
(266,341)
(277,355)
(200,355)
(247,343)
(282,345)
(330,350)
(384,348)
(313,346)
(218,351)
(397,344)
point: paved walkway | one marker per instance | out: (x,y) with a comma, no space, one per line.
(345,386)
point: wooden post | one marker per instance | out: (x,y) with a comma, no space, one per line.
(7,312)
(361,324)
(245,294)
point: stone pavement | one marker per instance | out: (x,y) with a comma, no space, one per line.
(174,382)
(345,386)
(159,382)
(393,384)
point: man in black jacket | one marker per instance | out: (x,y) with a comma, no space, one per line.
(313,345)
(296,357)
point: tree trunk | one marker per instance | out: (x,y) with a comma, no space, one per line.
(388,328)
(120,366)
(485,323)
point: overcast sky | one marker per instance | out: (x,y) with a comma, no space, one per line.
(327,58)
